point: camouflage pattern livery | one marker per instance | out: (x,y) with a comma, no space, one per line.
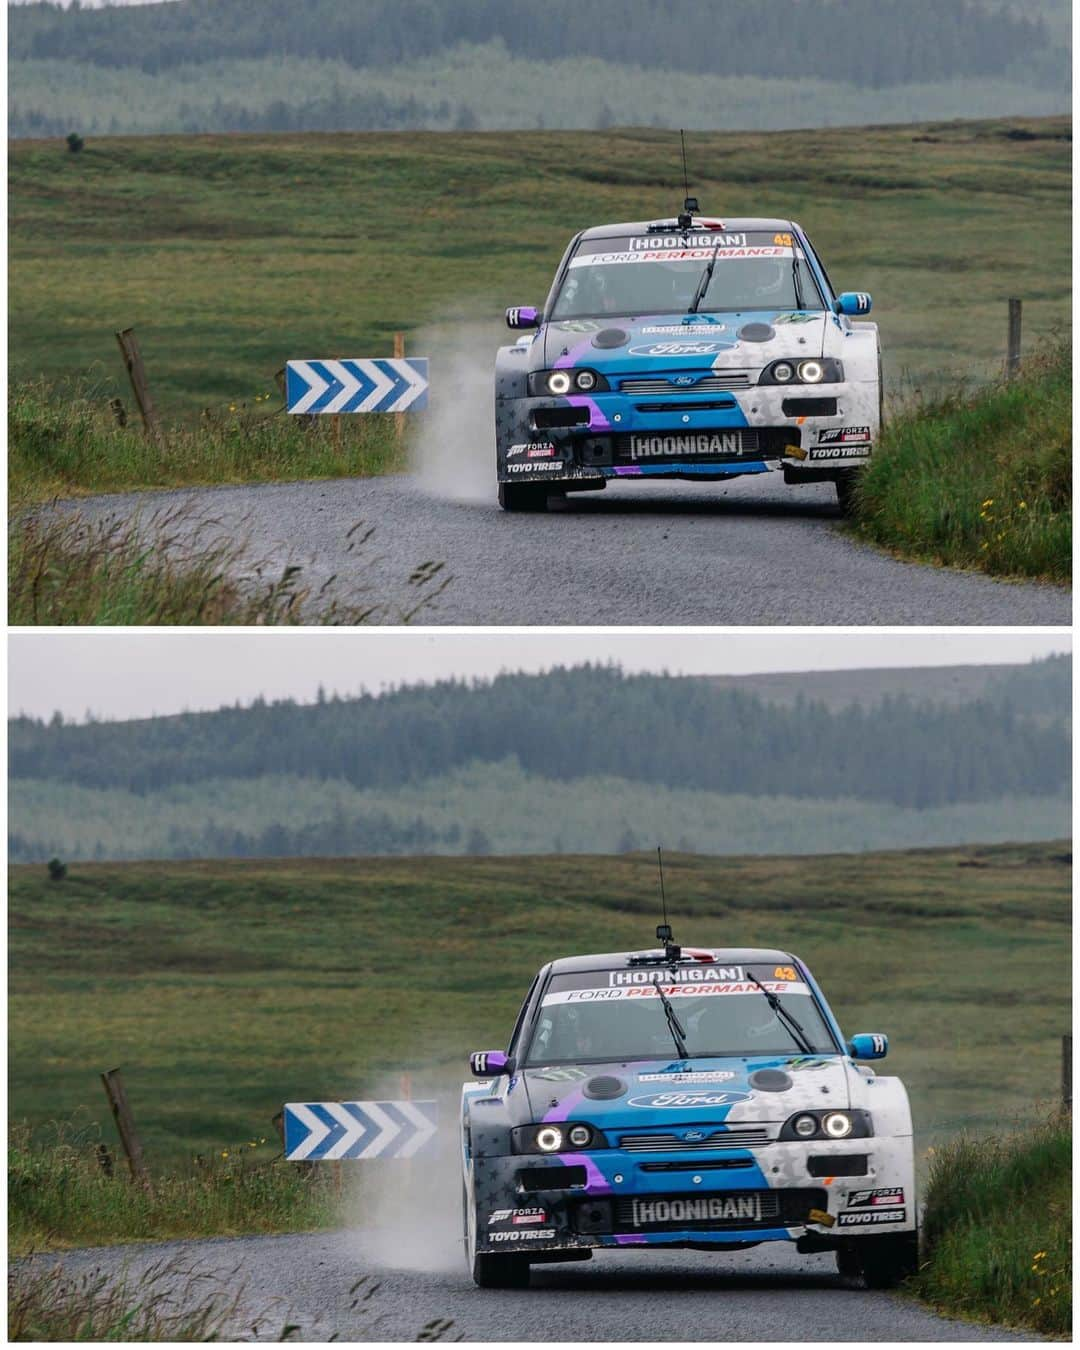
(674,392)
(698,1152)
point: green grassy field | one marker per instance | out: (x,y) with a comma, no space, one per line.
(226,988)
(230,254)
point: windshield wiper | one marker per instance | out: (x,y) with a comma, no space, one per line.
(706,277)
(678,1031)
(797,1033)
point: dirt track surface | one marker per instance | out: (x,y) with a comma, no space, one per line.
(750,552)
(364,1290)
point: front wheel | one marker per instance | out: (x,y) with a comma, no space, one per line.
(888,1261)
(523,496)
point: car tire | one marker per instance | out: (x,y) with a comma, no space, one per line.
(490,1271)
(523,497)
(888,1261)
(846,489)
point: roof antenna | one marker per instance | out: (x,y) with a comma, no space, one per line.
(690,204)
(663,930)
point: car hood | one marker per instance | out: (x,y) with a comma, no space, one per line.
(689,1092)
(662,342)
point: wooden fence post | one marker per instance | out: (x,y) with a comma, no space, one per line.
(1066,1072)
(129,350)
(125,1126)
(1012,359)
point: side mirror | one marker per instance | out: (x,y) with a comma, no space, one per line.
(868,1045)
(489,1063)
(523,316)
(853,303)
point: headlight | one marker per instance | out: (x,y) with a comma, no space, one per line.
(828,1124)
(826,371)
(549,1139)
(579,1135)
(543,383)
(838,1125)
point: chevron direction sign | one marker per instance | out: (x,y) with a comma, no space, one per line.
(317,1131)
(391,384)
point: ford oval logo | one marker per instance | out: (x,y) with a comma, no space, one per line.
(686,1101)
(684,379)
(693,1135)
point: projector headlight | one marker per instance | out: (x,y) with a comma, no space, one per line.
(585,380)
(549,1139)
(783,372)
(811,372)
(804,1126)
(838,1124)
(558,382)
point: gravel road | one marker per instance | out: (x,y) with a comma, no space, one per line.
(354,1286)
(748,552)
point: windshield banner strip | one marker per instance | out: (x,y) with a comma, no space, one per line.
(683,255)
(673,991)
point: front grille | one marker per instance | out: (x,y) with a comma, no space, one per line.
(699,405)
(708,384)
(716,1212)
(673,1143)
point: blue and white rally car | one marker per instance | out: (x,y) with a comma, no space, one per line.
(689,348)
(684,1098)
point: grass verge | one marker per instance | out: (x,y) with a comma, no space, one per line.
(67,570)
(60,1195)
(997,1229)
(166,1303)
(66,441)
(981,481)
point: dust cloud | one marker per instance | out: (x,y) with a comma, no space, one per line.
(405,1214)
(453,447)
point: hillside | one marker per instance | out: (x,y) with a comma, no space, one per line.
(537,763)
(224,989)
(238,252)
(221,65)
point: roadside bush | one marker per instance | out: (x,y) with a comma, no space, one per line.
(997,1234)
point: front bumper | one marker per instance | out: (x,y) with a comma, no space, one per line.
(734,1198)
(585,441)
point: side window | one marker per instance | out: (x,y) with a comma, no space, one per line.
(813,258)
(511,1049)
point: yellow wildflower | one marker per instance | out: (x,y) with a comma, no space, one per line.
(989,501)
(224,1152)
(1023,506)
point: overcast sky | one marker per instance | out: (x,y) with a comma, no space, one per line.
(120,675)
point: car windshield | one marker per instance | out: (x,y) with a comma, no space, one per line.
(660,274)
(616,1015)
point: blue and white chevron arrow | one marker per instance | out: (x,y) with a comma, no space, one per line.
(324,1131)
(397,384)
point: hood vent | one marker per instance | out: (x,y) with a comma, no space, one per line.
(604,1088)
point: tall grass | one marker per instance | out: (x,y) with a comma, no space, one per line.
(60,1195)
(172,570)
(997,1229)
(66,440)
(168,1302)
(982,480)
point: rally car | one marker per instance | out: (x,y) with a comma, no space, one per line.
(691,348)
(684,1098)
